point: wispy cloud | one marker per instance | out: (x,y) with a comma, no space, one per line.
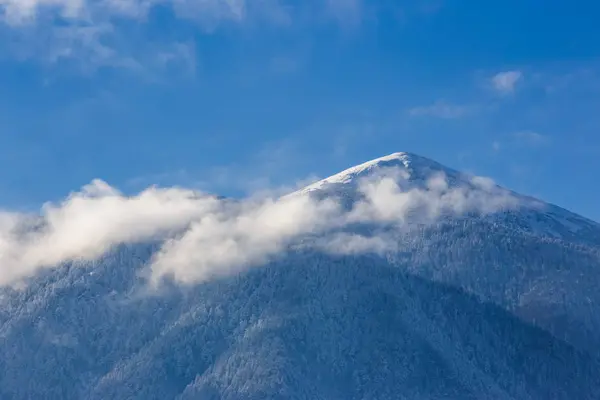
(88,42)
(521,139)
(347,12)
(443,109)
(506,82)
(568,79)
(531,138)
(21,13)
(114,33)
(205,236)
(266,170)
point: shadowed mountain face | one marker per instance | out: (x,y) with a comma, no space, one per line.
(307,326)
(496,306)
(547,281)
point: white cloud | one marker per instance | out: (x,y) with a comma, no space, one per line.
(94,34)
(442,109)
(23,12)
(113,33)
(387,201)
(204,237)
(89,223)
(17,12)
(242,235)
(505,82)
(88,45)
(251,233)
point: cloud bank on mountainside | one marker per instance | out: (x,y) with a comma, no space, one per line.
(203,236)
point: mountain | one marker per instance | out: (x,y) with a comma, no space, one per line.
(533,216)
(537,260)
(492,302)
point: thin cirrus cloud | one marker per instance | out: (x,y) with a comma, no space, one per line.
(525,138)
(106,33)
(442,109)
(531,138)
(19,13)
(203,236)
(347,12)
(96,34)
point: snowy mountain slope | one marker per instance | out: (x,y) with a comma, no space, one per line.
(498,305)
(546,281)
(537,260)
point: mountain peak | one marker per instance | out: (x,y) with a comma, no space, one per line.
(535,216)
(417,166)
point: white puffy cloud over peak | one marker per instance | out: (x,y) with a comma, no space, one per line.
(203,236)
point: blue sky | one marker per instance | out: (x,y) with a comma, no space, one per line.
(234,96)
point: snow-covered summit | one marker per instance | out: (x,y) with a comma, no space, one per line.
(533,215)
(417,166)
